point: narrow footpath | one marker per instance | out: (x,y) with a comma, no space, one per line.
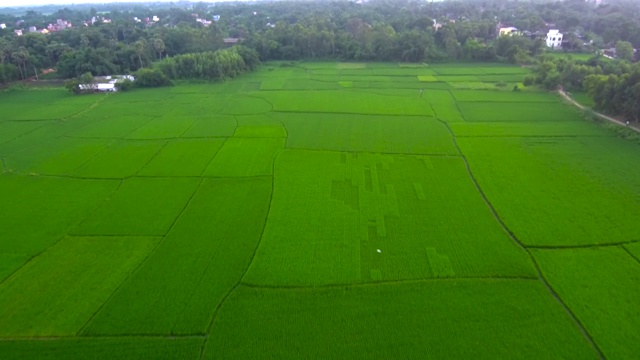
(633,127)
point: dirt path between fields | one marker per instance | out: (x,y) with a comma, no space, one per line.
(602,116)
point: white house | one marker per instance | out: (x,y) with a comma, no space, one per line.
(554,39)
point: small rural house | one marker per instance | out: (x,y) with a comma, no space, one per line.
(554,39)
(508,31)
(105,83)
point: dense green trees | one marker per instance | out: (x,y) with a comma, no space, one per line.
(216,65)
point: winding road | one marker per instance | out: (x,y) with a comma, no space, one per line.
(602,116)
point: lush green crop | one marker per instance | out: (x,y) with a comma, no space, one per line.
(37,211)
(504,319)
(602,288)
(206,253)
(62,288)
(243,156)
(317,210)
(103,348)
(367,133)
(559,191)
(141,206)
(183,158)
(527,129)
(514,111)
(122,159)
(405,206)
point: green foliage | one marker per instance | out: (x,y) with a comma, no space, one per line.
(125,85)
(147,78)
(624,50)
(218,65)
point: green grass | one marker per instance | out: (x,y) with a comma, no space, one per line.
(506,319)
(403,205)
(62,288)
(367,133)
(527,129)
(245,157)
(602,288)
(38,211)
(103,348)
(515,111)
(10,263)
(120,160)
(183,158)
(316,210)
(583,98)
(166,127)
(491,97)
(178,288)
(212,126)
(140,207)
(346,101)
(559,191)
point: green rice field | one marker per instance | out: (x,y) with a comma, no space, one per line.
(323,210)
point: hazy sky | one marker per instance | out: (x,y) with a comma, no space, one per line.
(9,3)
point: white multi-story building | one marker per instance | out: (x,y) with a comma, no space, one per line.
(554,39)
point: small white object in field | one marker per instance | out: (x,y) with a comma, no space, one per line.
(379,251)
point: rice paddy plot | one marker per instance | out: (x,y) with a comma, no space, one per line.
(560,191)
(121,159)
(59,156)
(166,127)
(247,105)
(112,127)
(141,206)
(403,71)
(53,205)
(11,130)
(602,287)
(62,288)
(183,158)
(204,256)
(514,111)
(10,263)
(312,84)
(528,129)
(517,78)
(474,69)
(241,157)
(260,132)
(42,134)
(102,348)
(345,101)
(274,83)
(367,133)
(634,250)
(445,319)
(408,206)
(212,126)
(505,97)
(456,78)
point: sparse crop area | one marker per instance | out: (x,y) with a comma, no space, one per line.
(317,210)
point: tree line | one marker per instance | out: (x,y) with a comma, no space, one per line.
(378,30)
